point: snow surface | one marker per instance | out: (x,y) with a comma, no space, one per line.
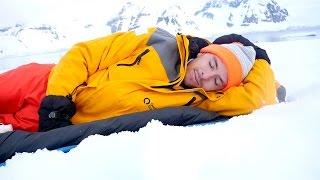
(276,142)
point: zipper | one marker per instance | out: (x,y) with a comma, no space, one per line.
(69,96)
(137,60)
(202,96)
(170,85)
(191,101)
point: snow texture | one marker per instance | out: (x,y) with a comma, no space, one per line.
(275,142)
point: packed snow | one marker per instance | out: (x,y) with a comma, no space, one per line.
(275,142)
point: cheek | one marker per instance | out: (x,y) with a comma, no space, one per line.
(209,86)
(188,71)
(187,79)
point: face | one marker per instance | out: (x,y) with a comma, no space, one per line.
(207,71)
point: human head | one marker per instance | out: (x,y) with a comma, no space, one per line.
(218,67)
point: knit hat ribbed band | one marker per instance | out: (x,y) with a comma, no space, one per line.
(237,58)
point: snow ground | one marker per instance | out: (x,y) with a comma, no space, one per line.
(275,142)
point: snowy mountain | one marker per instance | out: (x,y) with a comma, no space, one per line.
(130,17)
(22,38)
(217,12)
(243,12)
(280,141)
(202,19)
(177,20)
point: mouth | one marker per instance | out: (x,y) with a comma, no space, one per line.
(196,77)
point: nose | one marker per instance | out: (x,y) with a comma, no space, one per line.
(207,75)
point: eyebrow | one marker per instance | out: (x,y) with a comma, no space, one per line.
(215,62)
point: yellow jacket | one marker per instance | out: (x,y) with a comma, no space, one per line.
(125,72)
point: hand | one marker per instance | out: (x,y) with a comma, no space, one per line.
(195,44)
(231,38)
(55,112)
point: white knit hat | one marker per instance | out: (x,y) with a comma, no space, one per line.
(237,58)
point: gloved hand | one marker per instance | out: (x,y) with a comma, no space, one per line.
(55,112)
(260,53)
(195,44)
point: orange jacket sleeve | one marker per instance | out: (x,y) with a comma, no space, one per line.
(258,89)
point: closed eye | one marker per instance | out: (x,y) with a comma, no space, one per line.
(213,64)
(218,81)
(216,63)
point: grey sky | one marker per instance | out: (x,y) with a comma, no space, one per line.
(48,11)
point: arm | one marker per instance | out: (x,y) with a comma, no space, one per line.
(86,58)
(260,53)
(24,119)
(83,60)
(257,90)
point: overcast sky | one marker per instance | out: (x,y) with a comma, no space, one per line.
(34,11)
(48,11)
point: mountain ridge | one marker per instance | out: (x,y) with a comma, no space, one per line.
(211,17)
